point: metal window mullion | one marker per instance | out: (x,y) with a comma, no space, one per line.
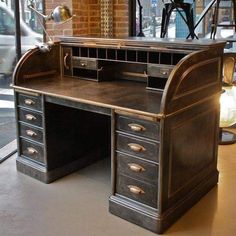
(18,30)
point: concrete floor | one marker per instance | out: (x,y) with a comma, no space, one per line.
(77,205)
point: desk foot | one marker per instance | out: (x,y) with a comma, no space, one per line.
(41,173)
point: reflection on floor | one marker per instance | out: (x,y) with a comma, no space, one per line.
(77,205)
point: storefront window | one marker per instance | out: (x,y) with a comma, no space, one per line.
(152,17)
(31,34)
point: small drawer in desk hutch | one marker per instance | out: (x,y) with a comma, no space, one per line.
(85,63)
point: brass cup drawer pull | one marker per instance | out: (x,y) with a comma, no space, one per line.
(30,117)
(135,189)
(136,127)
(31,151)
(29,102)
(164,72)
(31,133)
(136,147)
(135,167)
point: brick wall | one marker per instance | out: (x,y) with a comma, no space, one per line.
(121,18)
(87,20)
(94,20)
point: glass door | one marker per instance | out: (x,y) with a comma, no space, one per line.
(31,34)
(7,62)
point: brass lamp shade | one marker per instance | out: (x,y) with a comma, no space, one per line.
(61,14)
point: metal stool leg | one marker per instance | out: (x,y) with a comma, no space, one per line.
(215,20)
(163,23)
(189,18)
(167,10)
(166,18)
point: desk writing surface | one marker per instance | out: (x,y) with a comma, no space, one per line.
(120,94)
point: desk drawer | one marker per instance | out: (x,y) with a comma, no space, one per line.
(30,117)
(137,190)
(138,127)
(138,147)
(32,151)
(85,63)
(137,169)
(29,101)
(31,133)
(162,71)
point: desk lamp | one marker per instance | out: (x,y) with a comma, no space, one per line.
(60,14)
(228,100)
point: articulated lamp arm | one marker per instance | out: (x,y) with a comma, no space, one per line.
(60,14)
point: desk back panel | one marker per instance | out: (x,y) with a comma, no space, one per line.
(74,134)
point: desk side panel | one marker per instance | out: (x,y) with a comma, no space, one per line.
(37,64)
(194,79)
(189,154)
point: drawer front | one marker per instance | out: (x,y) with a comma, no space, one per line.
(32,151)
(137,190)
(31,102)
(137,169)
(30,117)
(138,147)
(31,133)
(85,63)
(162,71)
(138,127)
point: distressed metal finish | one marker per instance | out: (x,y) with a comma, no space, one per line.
(162,140)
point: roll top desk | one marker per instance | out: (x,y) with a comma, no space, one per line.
(152,105)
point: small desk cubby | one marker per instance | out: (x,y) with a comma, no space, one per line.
(152,106)
(150,65)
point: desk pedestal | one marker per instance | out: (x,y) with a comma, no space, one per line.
(150,218)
